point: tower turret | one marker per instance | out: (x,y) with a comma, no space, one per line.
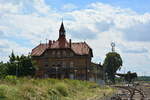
(62,32)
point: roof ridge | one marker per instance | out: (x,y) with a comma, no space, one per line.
(77,42)
(87,44)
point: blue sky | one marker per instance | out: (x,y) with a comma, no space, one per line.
(26,23)
(140,6)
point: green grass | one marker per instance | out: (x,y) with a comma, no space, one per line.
(12,88)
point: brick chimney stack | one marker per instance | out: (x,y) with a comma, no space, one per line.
(70,43)
(50,43)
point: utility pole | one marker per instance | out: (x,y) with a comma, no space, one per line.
(17,63)
(75,72)
(86,71)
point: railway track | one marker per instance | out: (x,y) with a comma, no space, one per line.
(129,93)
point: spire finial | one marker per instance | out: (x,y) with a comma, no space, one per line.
(62,19)
(62,29)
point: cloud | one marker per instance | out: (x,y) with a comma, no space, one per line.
(138,32)
(6,47)
(41,7)
(104,25)
(30,21)
(143,50)
(69,7)
(10,8)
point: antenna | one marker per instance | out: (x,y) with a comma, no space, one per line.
(46,42)
(46,39)
(113,46)
(12,51)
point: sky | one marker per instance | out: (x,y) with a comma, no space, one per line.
(26,23)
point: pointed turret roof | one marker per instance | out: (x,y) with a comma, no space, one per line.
(62,29)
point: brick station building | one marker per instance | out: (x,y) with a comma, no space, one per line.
(63,58)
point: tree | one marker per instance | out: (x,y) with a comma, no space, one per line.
(12,57)
(18,65)
(3,70)
(112,63)
(129,77)
(26,66)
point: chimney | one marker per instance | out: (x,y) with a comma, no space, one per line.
(50,43)
(70,43)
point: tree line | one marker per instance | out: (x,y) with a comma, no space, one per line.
(21,66)
(18,66)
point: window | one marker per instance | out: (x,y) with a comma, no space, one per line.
(64,53)
(71,54)
(46,54)
(58,53)
(53,52)
(63,64)
(46,64)
(71,64)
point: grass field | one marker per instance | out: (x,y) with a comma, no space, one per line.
(12,88)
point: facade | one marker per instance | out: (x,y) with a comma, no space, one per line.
(63,58)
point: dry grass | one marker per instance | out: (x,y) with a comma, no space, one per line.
(50,89)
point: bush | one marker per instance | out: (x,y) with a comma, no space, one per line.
(11,79)
(3,90)
(62,89)
(52,92)
(29,92)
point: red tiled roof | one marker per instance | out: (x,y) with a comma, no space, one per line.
(37,51)
(61,43)
(80,48)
